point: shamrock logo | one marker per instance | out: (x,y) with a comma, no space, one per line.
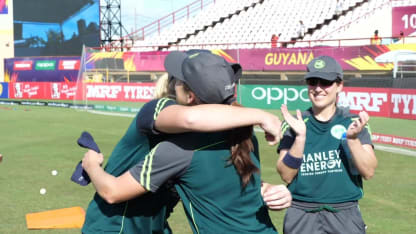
(319,64)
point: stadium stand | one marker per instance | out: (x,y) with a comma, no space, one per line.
(249,24)
(232,24)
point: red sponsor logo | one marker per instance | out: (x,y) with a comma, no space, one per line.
(22,65)
(392,103)
(69,64)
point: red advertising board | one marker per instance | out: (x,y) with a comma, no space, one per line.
(24,65)
(69,64)
(393,103)
(89,91)
(42,90)
(383,102)
(403,103)
(128,92)
(27,90)
(375,101)
(61,91)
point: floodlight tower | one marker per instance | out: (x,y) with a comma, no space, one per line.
(111,28)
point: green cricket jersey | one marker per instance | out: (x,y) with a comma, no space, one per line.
(141,215)
(208,184)
(327,173)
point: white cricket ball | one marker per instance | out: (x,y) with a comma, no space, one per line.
(42,191)
(54,172)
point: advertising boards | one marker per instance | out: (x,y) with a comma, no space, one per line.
(383,102)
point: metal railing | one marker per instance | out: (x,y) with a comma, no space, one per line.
(183,13)
(267,44)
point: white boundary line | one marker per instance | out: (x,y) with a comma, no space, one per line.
(378,147)
(396,150)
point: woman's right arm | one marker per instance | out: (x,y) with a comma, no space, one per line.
(216,117)
(288,173)
(112,189)
(286,170)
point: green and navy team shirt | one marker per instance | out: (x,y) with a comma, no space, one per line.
(208,184)
(141,215)
(327,174)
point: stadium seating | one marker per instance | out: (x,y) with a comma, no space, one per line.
(250,23)
(361,20)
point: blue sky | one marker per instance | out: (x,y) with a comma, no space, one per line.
(138,13)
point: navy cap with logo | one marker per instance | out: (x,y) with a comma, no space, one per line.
(209,76)
(324,67)
(79,175)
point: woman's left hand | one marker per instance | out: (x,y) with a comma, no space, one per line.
(277,197)
(357,125)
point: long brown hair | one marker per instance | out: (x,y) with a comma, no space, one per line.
(241,147)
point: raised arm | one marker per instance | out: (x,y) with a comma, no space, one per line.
(112,189)
(286,167)
(363,155)
(216,117)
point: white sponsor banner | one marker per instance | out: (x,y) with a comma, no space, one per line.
(394,140)
(120,91)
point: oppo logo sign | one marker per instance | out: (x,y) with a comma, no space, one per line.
(279,94)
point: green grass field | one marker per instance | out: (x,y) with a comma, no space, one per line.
(37,140)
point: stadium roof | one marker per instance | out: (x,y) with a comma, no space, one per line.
(50,11)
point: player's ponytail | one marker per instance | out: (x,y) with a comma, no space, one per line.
(164,87)
(241,147)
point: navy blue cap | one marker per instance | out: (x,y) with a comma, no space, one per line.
(209,76)
(87,141)
(324,67)
(80,176)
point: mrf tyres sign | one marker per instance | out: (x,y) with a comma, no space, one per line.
(120,92)
(392,103)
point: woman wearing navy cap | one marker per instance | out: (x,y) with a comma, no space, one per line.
(324,154)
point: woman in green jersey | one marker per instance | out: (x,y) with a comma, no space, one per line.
(216,174)
(324,154)
(158,120)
